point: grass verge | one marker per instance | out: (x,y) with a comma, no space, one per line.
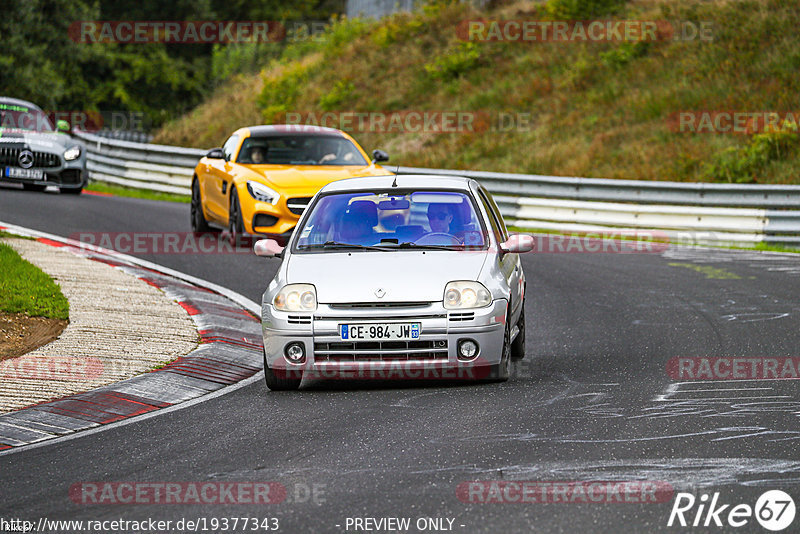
(24,288)
(120,191)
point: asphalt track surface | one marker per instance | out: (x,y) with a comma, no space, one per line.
(592,401)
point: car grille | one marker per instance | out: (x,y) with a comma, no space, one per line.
(457,317)
(298,205)
(379,305)
(368,351)
(10,156)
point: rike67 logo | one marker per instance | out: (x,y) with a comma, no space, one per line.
(774,510)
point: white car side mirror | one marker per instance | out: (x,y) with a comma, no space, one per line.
(267,248)
(518,244)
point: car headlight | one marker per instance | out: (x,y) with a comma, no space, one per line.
(464,295)
(296,298)
(72,153)
(262,193)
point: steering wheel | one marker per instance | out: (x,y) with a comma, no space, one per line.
(437,238)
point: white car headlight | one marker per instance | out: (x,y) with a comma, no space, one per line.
(296,298)
(464,295)
(262,193)
(72,153)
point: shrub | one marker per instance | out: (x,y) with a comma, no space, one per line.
(582,9)
(454,63)
(742,164)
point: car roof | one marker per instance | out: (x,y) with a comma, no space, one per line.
(18,102)
(404,181)
(269,130)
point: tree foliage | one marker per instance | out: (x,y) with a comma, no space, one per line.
(40,62)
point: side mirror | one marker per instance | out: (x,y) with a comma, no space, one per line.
(267,248)
(518,244)
(62,126)
(379,155)
(215,153)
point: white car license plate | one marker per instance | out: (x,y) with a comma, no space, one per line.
(379,331)
(29,174)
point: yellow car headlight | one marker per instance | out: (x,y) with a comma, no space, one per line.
(262,193)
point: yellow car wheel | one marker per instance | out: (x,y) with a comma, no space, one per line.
(235,223)
(199,223)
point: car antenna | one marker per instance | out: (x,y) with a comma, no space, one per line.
(394,184)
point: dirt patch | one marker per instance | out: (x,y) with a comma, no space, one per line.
(20,334)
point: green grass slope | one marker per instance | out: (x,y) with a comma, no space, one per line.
(593,109)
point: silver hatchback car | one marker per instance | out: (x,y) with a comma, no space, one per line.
(395,277)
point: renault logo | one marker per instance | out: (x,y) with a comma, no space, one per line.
(380,292)
(25,159)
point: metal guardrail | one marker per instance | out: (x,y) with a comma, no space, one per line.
(738,214)
(163,168)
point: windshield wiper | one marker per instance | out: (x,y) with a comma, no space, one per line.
(342,246)
(409,244)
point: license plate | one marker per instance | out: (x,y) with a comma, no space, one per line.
(379,331)
(28,174)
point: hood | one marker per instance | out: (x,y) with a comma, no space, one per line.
(405,276)
(312,176)
(37,141)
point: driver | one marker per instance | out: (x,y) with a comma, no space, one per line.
(439,218)
(257,154)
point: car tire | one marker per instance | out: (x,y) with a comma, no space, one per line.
(71,190)
(518,346)
(278,383)
(500,372)
(199,223)
(235,223)
(34,187)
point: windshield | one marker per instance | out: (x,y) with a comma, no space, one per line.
(300,150)
(392,220)
(17,117)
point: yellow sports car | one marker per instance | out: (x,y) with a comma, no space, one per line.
(263,177)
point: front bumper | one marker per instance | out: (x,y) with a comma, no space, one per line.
(276,220)
(434,355)
(67,175)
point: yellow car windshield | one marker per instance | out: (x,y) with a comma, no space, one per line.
(300,150)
